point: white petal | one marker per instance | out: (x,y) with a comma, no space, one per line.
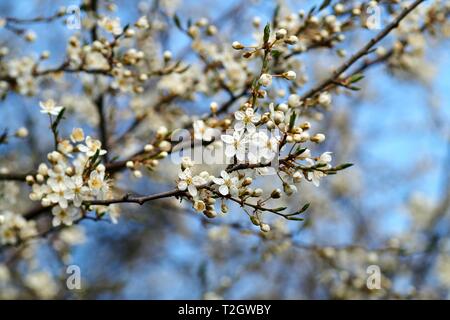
(240,154)
(227,138)
(223,189)
(224,175)
(256,118)
(218,181)
(56,221)
(198,181)
(182,185)
(239,126)
(234,191)
(192,190)
(239,115)
(230,151)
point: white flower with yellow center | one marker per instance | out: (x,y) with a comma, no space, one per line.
(60,195)
(236,145)
(97,184)
(246,120)
(227,184)
(65,216)
(50,107)
(315,175)
(189,182)
(77,190)
(111,25)
(91,147)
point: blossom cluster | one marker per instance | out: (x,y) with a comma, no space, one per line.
(14,227)
(252,142)
(73,175)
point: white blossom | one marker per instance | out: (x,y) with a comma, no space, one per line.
(202,132)
(91,147)
(111,25)
(65,216)
(189,182)
(227,184)
(50,107)
(236,145)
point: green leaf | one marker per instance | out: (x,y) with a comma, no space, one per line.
(324,4)
(344,166)
(300,150)
(356,77)
(279,209)
(177,22)
(304,208)
(295,218)
(353,88)
(292,120)
(275,53)
(266,33)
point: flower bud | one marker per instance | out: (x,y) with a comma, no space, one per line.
(257,192)
(289,189)
(297,176)
(237,45)
(162,132)
(130,33)
(290,75)
(276,194)
(280,34)
(162,155)
(294,101)
(213,107)
(265,80)
(305,125)
(165,146)
(210,213)
(278,117)
(318,138)
(264,227)
(247,181)
(149,148)
(22,132)
(137,174)
(324,99)
(224,207)
(282,107)
(167,55)
(45,202)
(291,40)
